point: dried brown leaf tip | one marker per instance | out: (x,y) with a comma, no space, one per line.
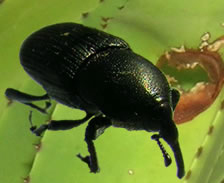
(197,73)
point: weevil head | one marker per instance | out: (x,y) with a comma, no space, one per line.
(168,131)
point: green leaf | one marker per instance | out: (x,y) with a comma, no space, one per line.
(151,28)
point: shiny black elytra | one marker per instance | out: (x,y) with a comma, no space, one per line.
(91,70)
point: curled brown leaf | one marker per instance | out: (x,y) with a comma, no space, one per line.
(199,97)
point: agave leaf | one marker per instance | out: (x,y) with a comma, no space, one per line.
(150,28)
(18,19)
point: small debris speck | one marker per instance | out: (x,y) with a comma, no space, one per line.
(130,172)
(206,36)
(37,147)
(26,180)
(179,50)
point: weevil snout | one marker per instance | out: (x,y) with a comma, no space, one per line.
(170,135)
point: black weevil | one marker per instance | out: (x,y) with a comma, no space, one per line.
(94,71)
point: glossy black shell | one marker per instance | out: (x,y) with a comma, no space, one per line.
(88,69)
(54,55)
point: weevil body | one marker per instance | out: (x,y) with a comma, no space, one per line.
(91,70)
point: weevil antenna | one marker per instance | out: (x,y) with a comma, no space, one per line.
(167,158)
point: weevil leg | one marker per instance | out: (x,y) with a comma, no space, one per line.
(27,99)
(58,124)
(95,128)
(43,110)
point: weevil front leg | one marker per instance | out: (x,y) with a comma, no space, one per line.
(27,99)
(95,128)
(57,124)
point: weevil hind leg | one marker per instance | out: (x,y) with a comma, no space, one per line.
(27,99)
(55,125)
(95,128)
